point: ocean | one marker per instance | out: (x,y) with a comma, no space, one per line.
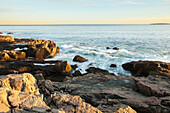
(136,42)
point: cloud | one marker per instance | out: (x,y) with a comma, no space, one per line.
(98,2)
(167,1)
(10,9)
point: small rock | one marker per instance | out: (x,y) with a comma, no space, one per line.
(108,48)
(79,58)
(77,73)
(113,65)
(116,48)
(10,33)
(74,66)
(58,50)
(1,32)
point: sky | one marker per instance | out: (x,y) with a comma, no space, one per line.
(23,12)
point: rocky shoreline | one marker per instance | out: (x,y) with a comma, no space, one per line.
(29,83)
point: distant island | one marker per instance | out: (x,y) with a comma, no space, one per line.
(160,24)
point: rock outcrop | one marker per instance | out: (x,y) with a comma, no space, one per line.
(73,104)
(41,49)
(11,99)
(12,55)
(22,82)
(79,58)
(148,68)
(110,93)
(4,38)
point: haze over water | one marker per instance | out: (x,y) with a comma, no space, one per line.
(136,42)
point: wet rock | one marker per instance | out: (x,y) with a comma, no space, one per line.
(63,68)
(4,38)
(126,110)
(77,73)
(22,82)
(79,58)
(73,104)
(108,48)
(74,66)
(148,68)
(97,70)
(10,33)
(1,32)
(116,48)
(58,50)
(113,65)
(12,55)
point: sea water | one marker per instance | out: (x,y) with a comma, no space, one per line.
(136,42)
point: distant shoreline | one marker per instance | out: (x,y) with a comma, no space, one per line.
(160,24)
(74,24)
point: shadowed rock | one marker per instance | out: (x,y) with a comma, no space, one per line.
(148,68)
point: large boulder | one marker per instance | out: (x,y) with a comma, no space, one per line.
(41,49)
(148,68)
(63,68)
(10,98)
(22,82)
(79,58)
(73,104)
(4,38)
(12,55)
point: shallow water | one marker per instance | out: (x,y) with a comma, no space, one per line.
(136,42)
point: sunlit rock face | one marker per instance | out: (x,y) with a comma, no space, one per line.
(4,38)
(22,82)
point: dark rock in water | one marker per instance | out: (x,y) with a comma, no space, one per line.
(74,66)
(116,48)
(58,50)
(148,68)
(113,65)
(10,33)
(108,48)
(1,32)
(63,68)
(79,58)
(97,70)
(77,73)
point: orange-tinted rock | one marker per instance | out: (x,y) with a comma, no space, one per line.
(126,110)
(73,104)
(63,68)
(4,38)
(21,82)
(23,101)
(12,55)
(116,48)
(79,58)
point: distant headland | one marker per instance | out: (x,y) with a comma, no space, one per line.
(160,24)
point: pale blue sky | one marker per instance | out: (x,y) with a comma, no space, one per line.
(84,11)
